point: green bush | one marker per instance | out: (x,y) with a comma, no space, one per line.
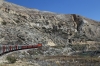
(11,59)
(79,47)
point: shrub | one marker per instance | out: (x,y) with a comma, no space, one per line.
(79,47)
(11,59)
(4,23)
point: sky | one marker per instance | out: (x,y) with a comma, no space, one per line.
(86,8)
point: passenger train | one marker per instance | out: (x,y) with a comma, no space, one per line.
(9,48)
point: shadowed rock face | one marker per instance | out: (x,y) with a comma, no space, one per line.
(20,25)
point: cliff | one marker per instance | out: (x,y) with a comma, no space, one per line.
(20,25)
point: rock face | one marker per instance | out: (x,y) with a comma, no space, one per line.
(1,2)
(20,25)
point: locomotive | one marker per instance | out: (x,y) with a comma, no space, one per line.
(10,48)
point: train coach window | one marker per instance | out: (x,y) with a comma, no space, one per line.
(6,48)
(0,49)
(19,46)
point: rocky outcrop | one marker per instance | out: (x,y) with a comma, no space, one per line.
(20,25)
(1,2)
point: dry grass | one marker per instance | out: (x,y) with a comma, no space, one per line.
(60,61)
(18,63)
(74,60)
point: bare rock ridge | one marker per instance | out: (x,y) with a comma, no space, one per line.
(20,25)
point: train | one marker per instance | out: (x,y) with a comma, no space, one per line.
(9,48)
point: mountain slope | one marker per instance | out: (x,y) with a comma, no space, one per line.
(20,25)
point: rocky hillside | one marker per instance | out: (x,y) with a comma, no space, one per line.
(60,34)
(20,25)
